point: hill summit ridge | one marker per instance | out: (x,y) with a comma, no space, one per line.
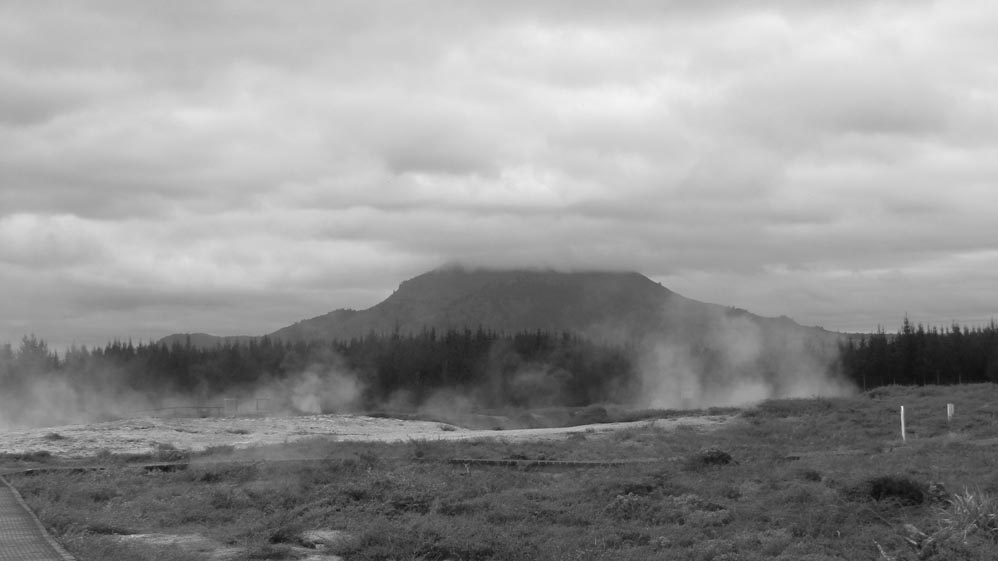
(609,305)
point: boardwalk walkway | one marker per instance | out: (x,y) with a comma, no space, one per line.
(22,536)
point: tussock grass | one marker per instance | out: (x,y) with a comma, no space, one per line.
(403,501)
(971,511)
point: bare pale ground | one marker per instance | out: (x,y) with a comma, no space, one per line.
(141,435)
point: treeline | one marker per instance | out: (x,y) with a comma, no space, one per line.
(917,355)
(485,368)
(495,369)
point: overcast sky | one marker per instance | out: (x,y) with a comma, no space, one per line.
(233,167)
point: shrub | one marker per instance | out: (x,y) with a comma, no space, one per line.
(901,489)
(270,551)
(458,508)
(708,457)
(103,528)
(35,456)
(166,452)
(632,507)
(969,512)
(286,532)
(809,475)
(101,493)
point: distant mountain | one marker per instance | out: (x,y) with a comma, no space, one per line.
(607,306)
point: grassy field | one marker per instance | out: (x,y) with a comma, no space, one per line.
(809,479)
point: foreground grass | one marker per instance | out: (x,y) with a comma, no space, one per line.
(817,479)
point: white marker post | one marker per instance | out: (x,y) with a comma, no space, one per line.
(950,410)
(904,438)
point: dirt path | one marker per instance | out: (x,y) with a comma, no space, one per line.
(135,436)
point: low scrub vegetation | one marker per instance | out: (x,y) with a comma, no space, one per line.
(816,480)
(971,511)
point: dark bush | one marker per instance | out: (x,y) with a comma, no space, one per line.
(809,475)
(897,488)
(30,456)
(708,457)
(288,533)
(166,452)
(101,528)
(102,493)
(271,552)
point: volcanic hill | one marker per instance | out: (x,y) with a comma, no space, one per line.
(608,306)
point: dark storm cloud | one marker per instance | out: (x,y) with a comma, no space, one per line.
(829,161)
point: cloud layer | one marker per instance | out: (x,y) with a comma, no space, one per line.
(236,167)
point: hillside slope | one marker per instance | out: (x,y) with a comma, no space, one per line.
(507,301)
(615,307)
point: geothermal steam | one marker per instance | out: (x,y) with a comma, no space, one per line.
(739,363)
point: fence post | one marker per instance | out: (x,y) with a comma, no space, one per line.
(904,437)
(950,410)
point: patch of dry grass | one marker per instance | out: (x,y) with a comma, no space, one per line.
(403,501)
